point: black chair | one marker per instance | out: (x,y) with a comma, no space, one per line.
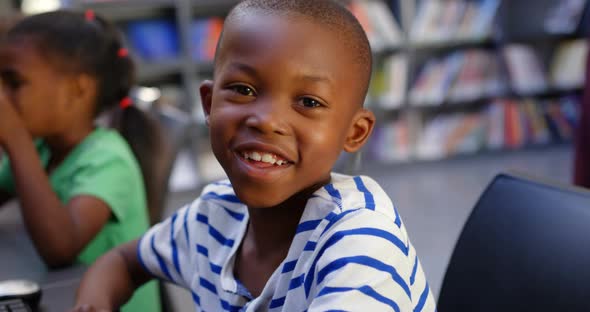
(178,130)
(525,247)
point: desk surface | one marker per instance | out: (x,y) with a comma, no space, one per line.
(19,260)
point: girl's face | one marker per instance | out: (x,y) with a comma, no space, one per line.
(35,86)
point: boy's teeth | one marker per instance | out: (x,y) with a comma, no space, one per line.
(264,157)
(256,156)
(268,158)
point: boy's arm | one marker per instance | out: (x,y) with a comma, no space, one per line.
(110,282)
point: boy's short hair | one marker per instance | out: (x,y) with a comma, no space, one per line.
(328,13)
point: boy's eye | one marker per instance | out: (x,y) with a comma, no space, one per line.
(310,103)
(243,90)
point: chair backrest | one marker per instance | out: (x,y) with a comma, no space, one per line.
(176,127)
(525,247)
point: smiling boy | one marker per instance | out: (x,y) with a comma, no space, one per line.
(284,233)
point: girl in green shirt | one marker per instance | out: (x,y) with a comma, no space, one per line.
(80,187)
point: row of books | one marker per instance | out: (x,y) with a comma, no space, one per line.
(435,21)
(378,22)
(453,20)
(158,40)
(468,75)
(566,70)
(503,124)
(459,76)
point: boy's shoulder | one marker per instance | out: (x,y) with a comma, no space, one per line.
(344,195)
(220,191)
(350,193)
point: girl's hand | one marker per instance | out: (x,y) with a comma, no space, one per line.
(87,308)
(10,121)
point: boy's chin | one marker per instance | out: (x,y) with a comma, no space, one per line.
(259,200)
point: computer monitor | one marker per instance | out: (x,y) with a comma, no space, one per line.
(525,247)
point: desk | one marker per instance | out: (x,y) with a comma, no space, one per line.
(19,260)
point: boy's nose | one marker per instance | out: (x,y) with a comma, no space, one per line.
(266,117)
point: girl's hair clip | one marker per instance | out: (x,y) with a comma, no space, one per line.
(122,53)
(89,15)
(125,102)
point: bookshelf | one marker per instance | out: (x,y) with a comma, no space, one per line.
(440,65)
(460,69)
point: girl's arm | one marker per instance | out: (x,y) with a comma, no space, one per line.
(59,233)
(111,280)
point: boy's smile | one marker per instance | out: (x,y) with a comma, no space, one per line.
(285,102)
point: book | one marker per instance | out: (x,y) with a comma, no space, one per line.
(527,76)
(395,75)
(390,142)
(384,22)
(465,136)
(425,26)
(479,76)
(564,17)
(494,120)
(539,133)
(568,67)
(154,40)
(482,23)
(450,19)
(204,36)
(378,22)
(435,80)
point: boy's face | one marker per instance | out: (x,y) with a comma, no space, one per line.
(285,102)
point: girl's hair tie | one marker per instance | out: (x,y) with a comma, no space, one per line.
(89,15)
(122,53)
(125,102)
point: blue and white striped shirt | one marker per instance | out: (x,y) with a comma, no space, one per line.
(351,253)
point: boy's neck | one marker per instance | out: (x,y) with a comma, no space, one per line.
(272,229)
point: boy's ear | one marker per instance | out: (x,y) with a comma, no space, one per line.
(360,129)
(206,90)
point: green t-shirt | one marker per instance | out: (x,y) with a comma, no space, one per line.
(102,166)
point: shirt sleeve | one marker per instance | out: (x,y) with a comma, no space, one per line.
(6,180)
(164,251)
(108,177)
(365,263)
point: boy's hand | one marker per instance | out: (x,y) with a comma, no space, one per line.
(10,121)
